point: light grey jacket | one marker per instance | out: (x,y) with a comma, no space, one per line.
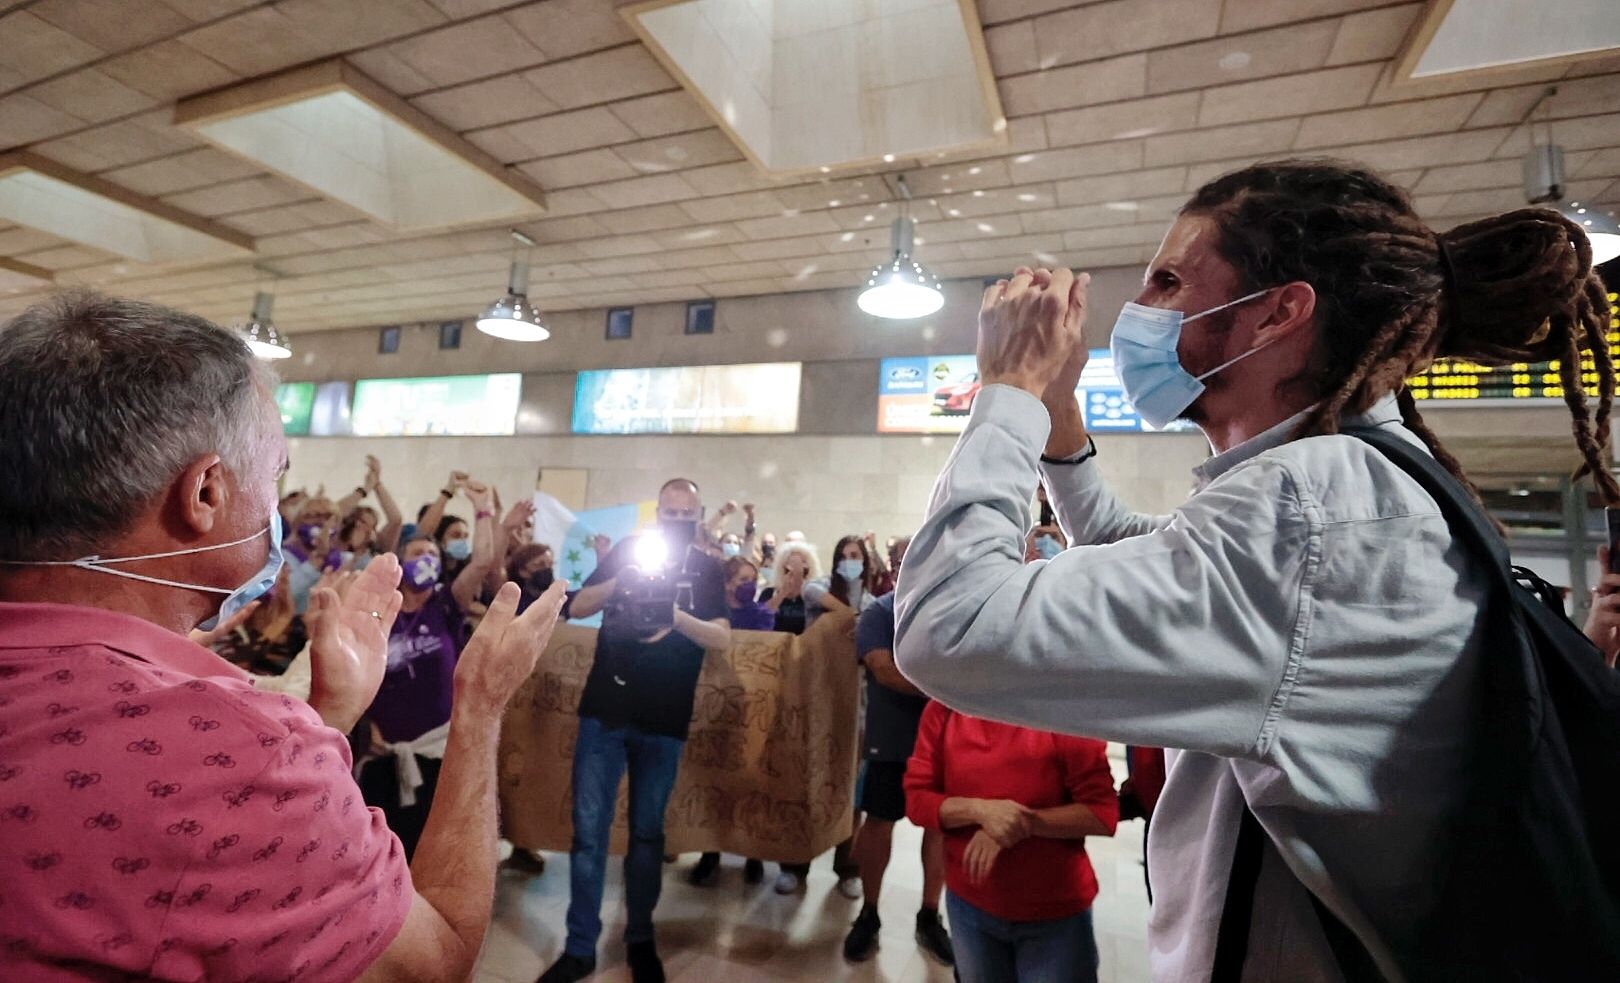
(1303,629)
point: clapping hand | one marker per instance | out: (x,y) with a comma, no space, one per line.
(349,618)
(1029,330)
(207,638)
(373,474)
(504,649)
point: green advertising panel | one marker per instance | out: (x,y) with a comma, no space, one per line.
(448,405)
(296,400)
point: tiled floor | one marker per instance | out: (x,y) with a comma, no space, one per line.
(738,932)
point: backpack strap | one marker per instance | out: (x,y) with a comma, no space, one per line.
(1467,521)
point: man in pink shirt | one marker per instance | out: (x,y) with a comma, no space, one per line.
(159,817)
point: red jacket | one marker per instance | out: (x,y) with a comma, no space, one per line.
(960,756)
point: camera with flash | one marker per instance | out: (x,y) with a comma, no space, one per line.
(650,591)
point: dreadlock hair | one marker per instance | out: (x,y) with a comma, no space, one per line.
(1393,295)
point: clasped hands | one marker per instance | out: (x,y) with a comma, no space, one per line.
(1003,824)
(1031,332)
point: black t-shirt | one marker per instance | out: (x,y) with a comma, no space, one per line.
(790,615)
(891,716)
(651,684)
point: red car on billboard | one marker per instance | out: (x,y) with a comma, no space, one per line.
(957,396)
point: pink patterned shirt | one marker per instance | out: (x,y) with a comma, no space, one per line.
(161,819)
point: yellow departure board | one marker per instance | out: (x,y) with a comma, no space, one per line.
(1456,381)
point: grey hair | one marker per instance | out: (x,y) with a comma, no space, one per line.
(103,402)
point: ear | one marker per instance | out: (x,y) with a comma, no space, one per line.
(203,494)
(1292,308)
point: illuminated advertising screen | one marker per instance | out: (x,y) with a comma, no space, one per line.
(760,398)
(935,393)
(449,405)
(296,400)
(1465,382)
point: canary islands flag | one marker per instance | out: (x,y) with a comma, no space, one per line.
(572,536)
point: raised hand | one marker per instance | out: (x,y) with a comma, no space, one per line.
(373,474)
(349,618)
(520,513)
(1603,621)
(602,546)
(729,507)
(502,652)
(1029,327)
(207,638)
(479,494)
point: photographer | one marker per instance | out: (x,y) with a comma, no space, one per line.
(663,604)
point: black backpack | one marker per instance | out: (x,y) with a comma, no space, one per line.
(1531,882)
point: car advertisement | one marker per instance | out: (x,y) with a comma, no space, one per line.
(935,394)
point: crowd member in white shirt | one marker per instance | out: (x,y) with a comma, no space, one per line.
(1304,628)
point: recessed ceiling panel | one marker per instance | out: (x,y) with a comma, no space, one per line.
(337,132)
(807,85)
(41,194)
(1456,36)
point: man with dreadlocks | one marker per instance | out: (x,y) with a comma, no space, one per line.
(1304,628)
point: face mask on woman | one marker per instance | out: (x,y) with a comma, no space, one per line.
(541,579)
(730,549)
(422,572)
(744,593)
(459,549)
(1047,546)
(851,570)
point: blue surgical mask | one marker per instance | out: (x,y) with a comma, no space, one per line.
(850,570)
(1146,358)
(1047,546)
(459,549)
(730,549)
(235,600)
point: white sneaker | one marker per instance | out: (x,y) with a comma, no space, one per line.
(787,882)
(850,887)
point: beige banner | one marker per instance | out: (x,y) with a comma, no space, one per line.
(769,769)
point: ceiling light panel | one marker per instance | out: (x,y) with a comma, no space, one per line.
(337,132)
(42,194)
(1487,36)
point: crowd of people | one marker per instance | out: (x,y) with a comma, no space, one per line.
(983,832)
(1361,695)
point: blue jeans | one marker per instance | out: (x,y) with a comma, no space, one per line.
(600,757)
(994,950)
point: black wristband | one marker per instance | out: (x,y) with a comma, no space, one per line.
(1090,452)
(446,493)
(361,489)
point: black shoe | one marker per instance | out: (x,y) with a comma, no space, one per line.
(754,871)
(527,862)
(933,939)
(703,874)
(645,966)
(861,941)
(569,968)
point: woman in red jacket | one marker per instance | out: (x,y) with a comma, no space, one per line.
(1016,806)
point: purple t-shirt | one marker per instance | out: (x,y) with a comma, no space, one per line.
(417,687)
(753,616)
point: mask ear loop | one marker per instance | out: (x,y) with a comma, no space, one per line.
(98,563)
